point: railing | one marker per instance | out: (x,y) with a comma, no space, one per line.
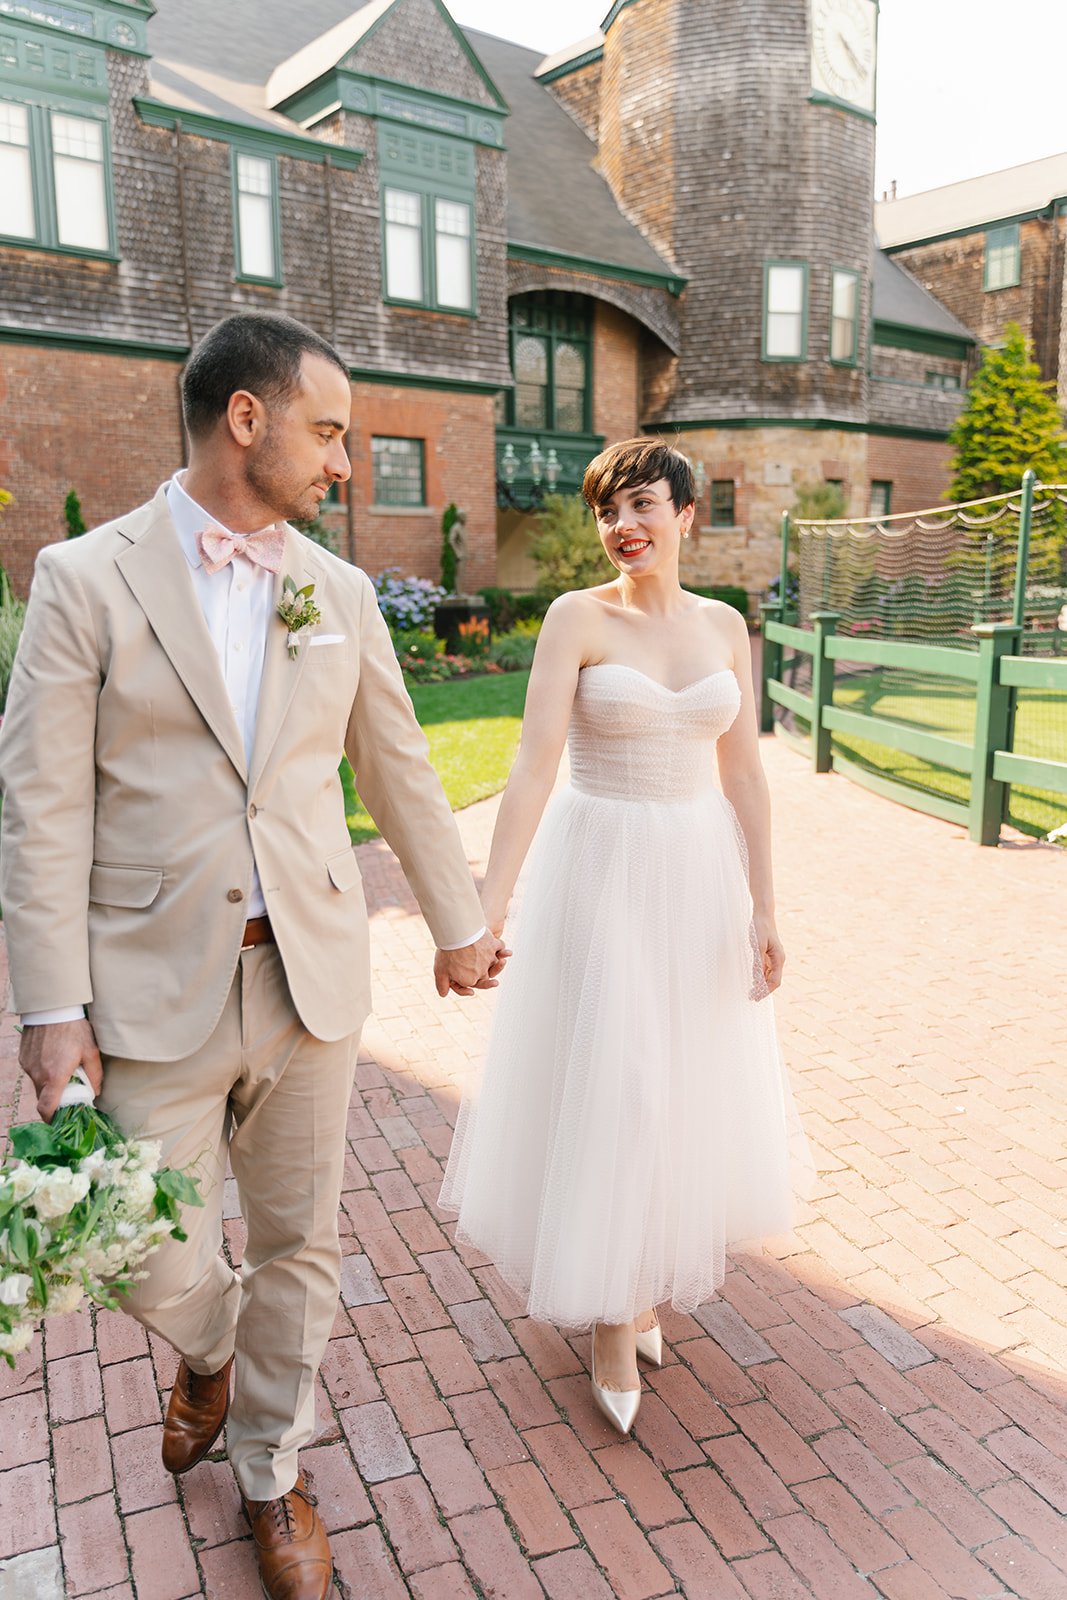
(997,669)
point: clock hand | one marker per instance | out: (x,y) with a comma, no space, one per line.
(852,56)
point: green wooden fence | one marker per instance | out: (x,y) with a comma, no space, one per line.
(996,669)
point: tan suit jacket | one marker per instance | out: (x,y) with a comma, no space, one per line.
(132,821)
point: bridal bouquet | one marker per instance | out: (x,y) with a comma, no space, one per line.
(80,1208)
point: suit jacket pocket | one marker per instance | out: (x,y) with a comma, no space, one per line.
(131,887)
(343,870)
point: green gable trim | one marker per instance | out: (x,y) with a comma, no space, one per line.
(538,256)
(818,98)
(118,24)
(588,58)
(456,33)
(101,344)
(979,229)
(367,96)
(812,424)
(39,61)
(268,141)
(427,380)
(898,336)
(619,6)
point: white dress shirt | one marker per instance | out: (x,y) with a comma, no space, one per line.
(238,607)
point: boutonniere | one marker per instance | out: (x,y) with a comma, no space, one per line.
(297,610)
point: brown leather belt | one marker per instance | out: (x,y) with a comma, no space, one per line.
(257,931)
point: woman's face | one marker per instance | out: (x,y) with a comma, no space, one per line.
(640,529)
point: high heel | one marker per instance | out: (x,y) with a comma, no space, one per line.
(618,1405)
(650,1344)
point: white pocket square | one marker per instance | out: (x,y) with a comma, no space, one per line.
(326,638)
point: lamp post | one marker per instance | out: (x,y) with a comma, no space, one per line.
(541,470)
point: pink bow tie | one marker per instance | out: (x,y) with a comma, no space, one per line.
(218,548)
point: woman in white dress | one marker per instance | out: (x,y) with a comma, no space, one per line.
(634,1117)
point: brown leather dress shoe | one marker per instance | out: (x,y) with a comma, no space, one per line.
(291,1546)
(195,1416)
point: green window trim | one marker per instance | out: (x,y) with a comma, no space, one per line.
(722,503)
(427,197)
(551,318)
(272,279)
(843,273)
(45,192)
(943,380)
(769,267)
(880,499)
(1001,260)
(394,489)
(429,237)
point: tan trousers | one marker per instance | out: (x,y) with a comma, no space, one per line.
(275,1100)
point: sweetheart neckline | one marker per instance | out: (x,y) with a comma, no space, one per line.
(625,667)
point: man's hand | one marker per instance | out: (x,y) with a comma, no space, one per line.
(475,966)
(51,1053)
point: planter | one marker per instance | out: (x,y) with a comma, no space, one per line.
(450,613)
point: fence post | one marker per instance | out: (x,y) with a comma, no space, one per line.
(992,729)
(770,663)
(783,574)
(822,687)
(1022,557)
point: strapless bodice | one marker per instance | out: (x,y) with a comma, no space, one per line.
(630,738)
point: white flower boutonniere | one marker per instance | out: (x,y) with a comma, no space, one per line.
(297,610)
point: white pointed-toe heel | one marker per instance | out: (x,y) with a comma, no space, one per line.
(650,1345)
(618,1405)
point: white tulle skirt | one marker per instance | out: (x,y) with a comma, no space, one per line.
(633,1117)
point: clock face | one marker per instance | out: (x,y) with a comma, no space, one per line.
(843,50)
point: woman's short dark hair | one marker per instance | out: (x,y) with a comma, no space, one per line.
(633,462)
(255,350)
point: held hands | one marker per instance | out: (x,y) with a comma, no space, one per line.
(51,1053)
(771,952)
(475,966)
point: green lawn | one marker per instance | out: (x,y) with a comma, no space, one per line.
(939,705)
(472,725)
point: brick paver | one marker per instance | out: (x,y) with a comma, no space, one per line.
(874,1406)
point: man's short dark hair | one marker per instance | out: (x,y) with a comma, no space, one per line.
(255,350)
(631,464)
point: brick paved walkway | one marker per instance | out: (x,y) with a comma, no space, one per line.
(877,1406)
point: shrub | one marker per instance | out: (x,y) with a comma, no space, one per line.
(72,511)
(448,555)
(506,608)
(320,532)
(566,549)
(474,639)
(406,603)
(12,615)
(514,651)
(731,594)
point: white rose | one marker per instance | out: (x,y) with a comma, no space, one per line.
(15,1288)
(59,1192)
(24,1180)
(145,1153)
(64,1297)
(94,1165)
(18,1339)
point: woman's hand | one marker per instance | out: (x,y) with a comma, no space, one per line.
(771,952)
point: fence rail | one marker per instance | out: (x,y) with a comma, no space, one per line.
(983,670)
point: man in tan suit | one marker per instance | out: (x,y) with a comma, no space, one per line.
(184,913)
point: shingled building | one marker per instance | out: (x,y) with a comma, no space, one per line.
(667,227)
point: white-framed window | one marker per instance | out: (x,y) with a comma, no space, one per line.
(785,310)
(1002,257)
(844,316)
(452,246)
(403,245)
(55,183)
(258,236)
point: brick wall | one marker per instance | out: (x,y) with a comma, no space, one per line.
(952,269)
(579,92)
(616,387)
(105,425)
(917,469)
(460,466)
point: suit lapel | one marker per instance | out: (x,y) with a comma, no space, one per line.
(158,575)
(281,673)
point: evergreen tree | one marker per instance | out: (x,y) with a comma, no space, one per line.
(72,510)
(448,555)
(1011,422)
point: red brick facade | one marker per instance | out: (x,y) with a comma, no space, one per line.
(917,468)
(616,389)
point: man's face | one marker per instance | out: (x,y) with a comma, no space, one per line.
(300,454)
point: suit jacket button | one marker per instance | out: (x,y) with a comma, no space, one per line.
(252,811)
(234,895)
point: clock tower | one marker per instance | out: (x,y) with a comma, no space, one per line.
(739,135)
